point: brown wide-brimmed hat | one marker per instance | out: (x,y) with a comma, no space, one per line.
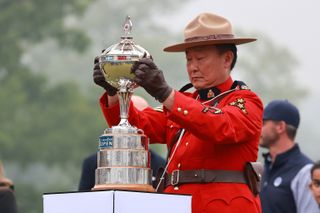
(207,29)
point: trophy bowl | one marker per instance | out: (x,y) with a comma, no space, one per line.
(115,62)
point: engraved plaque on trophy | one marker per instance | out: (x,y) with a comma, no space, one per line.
(123,157)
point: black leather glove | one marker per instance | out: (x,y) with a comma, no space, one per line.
(99,79)
(151,79)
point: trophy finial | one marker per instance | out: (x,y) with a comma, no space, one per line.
(127,26)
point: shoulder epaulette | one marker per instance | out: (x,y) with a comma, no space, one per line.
(241,85)
(159,108)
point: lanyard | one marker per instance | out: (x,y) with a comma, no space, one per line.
(173,153)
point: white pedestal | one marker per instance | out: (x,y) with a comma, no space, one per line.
(115,202)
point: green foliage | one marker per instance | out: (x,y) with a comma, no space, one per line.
(34,20)
(39,122)
(102,23)
(54,126)
(36,117)
(46,129)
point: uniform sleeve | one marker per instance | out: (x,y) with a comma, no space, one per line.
(303,197)
(152,122)
(111,114)
(235,119)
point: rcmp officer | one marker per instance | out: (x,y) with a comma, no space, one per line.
(212,132)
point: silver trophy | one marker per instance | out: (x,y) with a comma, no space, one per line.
(123,157)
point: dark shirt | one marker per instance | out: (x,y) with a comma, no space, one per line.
(7,201)
(277,194)
(89,165)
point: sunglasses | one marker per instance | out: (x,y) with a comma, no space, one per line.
(315,183)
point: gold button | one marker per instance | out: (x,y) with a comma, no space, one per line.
(185,112)
(187,143)
(176,188)
(179,109)
(179,165)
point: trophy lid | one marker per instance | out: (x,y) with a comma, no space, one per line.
(116,60)
(126,49)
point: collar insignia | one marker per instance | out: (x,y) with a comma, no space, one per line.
(206,94)
(210,94)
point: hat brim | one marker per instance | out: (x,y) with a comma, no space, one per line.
(183,46)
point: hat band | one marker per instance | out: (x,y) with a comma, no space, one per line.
(209,37)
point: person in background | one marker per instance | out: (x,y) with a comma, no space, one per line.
(315,182)
(7,197)
(89,164)
(212,132)
(287,170)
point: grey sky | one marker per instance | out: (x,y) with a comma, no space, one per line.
(293,24)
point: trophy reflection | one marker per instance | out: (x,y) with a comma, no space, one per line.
(123,157)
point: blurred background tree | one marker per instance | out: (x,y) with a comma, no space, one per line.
(268,68)
(40,123)
(50,118)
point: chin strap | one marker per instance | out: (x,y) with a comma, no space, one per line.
(186,87)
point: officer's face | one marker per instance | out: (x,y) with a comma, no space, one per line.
(315,185)
(207,67)
(269,134)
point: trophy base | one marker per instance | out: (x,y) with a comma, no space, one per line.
(130,187)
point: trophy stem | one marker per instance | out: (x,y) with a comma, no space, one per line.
(124,99)
(124,94)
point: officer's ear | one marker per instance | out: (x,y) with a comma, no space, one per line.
(281,127)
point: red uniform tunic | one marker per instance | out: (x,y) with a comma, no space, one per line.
(223,137)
